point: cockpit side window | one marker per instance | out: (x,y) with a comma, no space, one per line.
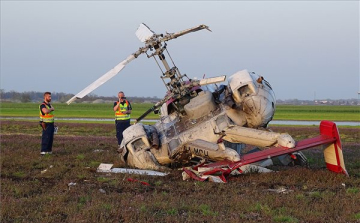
(139,145)
(245,91)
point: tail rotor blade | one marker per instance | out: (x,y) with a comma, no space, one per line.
(107,76)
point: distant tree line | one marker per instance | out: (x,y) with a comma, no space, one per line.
(35,96)
(31,96)
(319,102)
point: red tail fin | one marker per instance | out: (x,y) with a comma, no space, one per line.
(333,152)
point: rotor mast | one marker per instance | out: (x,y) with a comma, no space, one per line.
(158,43)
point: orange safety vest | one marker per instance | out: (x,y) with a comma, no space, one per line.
(119,115)
(49,118)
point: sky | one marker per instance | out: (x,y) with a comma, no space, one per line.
(306,49)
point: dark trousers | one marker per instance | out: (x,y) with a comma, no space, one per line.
(47,138)
(121,125)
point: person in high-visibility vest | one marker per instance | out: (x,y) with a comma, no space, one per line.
(47,123)
(122,109)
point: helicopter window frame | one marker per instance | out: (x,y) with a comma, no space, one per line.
(245,91)
(137,146)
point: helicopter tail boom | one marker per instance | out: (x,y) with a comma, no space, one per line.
(328,138)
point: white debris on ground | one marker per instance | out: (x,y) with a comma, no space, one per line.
(44,171)
(71,184)
(254,169)
(280,190)
(106,168)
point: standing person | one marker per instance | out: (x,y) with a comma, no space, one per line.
(122,109)
(47,123)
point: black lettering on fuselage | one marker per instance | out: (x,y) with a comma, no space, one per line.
(200,152)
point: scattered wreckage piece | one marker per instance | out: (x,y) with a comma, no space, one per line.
(220,173)
(281,190)
(106,168)
(141,182)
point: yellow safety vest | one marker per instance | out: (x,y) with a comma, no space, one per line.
(49,118)
(119,115)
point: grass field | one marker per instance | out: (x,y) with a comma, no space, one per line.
(283,112)
(81,110)
(317,112)
(65,187)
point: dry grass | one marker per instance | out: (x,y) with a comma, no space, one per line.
(36,188)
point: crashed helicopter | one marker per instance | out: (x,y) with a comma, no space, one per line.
(205,123)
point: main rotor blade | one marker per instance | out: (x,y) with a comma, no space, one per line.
(170,36)
(107,76)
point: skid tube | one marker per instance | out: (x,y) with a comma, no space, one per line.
(329,138)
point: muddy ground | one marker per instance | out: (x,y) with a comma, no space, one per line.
(65,187)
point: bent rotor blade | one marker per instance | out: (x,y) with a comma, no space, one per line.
(170,36)
(111,73)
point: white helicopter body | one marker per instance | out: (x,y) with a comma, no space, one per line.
(201,122)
